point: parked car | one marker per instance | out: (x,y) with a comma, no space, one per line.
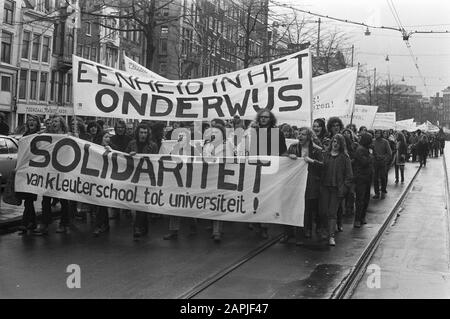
(8,156)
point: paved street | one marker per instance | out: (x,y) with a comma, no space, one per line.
(414,255)
(113,266)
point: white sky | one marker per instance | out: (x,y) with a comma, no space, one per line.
(432,51)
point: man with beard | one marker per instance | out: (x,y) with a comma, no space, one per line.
(142,144)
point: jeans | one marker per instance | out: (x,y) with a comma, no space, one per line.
(423,160)
(47,211)
(102,217)
(141,222)
(379,177)
(362,188)
(402,172)
(29,214)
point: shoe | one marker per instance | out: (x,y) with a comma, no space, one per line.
(383,195)
(171,235)
(96,232)
(340,228)
(377,196)
(357,224)
(41,231)
(22,230)
(217,238)
(331,241)
(62,229)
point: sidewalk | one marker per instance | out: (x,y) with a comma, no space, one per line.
(414,255)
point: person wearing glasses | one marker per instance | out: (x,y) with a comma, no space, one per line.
(262,144)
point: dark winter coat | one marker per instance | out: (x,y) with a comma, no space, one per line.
(314,169)
(344,173)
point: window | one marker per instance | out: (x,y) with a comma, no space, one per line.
(88,28)
(59,85)
(94,54)
(26,45)
(79,50)
(43,87)
(45,49)
(86,52)
(12,147)
(163,68)
(6,83)
(163,46)
(23,84)
(8,13)
(165,11)
(69,88)
(164,31)
(36,47)
(33,85)
(3,146)
(6,47)
(52,86)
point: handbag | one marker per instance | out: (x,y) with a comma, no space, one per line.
(9,195)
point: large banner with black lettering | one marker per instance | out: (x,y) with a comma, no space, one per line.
(258,190)
(333,93)
(282,85)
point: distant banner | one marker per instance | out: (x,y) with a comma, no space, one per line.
(238,189)
(334,93)
(282,85)
(405,125)
(384,121)
(138,70)
(363,115)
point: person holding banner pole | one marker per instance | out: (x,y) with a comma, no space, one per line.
(32,126)
(142,144)
(312,154)
(101,216)
(336,180)
(58,126)
(217,147)
(183,147)
(266,140)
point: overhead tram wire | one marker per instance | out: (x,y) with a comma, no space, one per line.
(406,40)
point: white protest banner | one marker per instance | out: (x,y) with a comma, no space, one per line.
(384,121)
(405,125)
(334,93)
(138,70)
(282,85)
(363,115)
(237,189)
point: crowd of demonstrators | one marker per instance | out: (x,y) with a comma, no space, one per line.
(343,164)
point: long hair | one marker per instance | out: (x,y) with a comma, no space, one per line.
(62,123)
(323,132)
(143,126)
(311,135)
(36,118)
(332,121)
(401,138)
(273,119)
(341,141)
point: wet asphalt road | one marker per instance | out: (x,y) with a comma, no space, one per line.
(113,266)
